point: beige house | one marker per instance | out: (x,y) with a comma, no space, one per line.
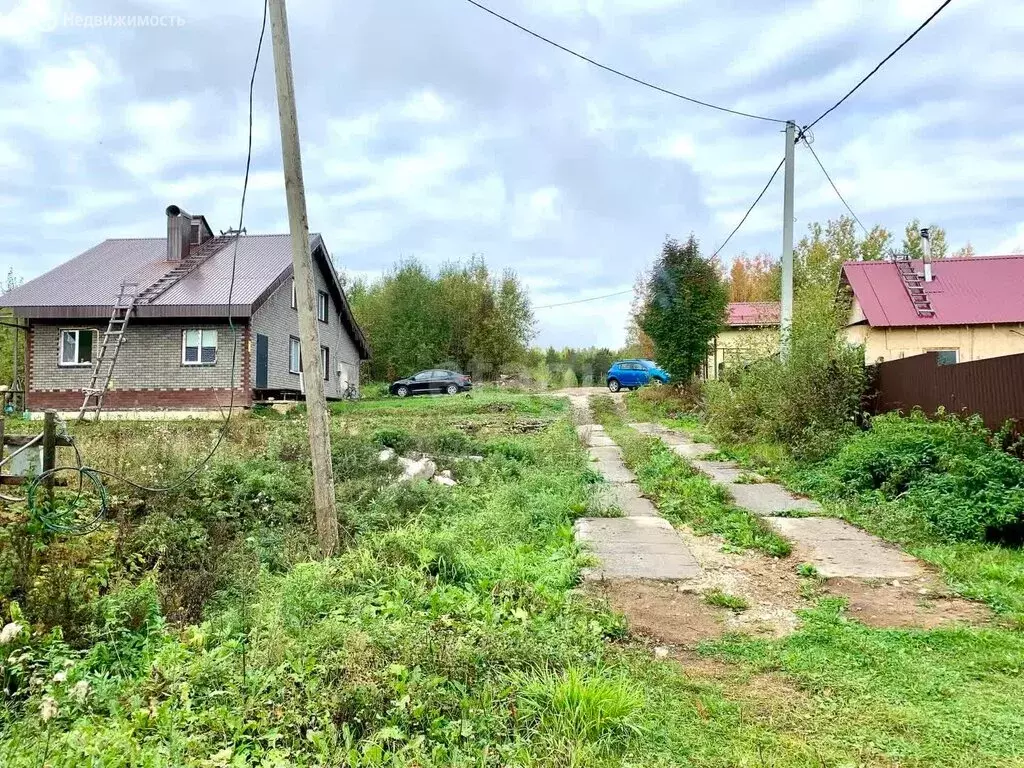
(751,332)
(965,309)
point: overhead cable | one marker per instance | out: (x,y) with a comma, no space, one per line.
(620,73)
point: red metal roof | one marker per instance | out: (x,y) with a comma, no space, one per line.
(87,285)
(741,313)
(972,291)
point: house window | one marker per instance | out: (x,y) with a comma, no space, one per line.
(76,346)
(294,355)
(947,356)
(325,361)
(198,347)
(196,233)
(295,303)
(322,306)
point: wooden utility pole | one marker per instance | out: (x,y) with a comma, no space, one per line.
(786,319)
(305,290)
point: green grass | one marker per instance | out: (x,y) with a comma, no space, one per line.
(452,632)
(724,600)
(683,495)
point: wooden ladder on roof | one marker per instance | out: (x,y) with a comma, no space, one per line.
(914,283)
(110,347)
(197,256)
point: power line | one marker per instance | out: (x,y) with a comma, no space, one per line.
(834,187)
(582,301)
(866,77)
(752,206)
(620,73)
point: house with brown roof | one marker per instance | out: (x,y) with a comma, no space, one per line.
(751,332)
(186,342)
(964,308)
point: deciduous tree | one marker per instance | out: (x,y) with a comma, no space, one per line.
(685,307)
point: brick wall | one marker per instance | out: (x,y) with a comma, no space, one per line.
(148,399)
(278,321)
(150,358)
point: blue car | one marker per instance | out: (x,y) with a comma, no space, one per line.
(630,374)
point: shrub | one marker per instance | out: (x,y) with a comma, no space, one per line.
(810,402)
(569,379)
(949,470)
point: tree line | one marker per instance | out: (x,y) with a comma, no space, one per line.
(679,305)
(461,317)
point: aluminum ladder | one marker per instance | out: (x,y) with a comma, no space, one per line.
(110,347)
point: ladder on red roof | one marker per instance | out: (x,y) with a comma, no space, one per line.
(110,347)
(187,266)
(914,283)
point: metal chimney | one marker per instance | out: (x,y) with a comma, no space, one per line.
(179,233)
(926,245)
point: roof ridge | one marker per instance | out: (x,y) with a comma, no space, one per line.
(941,260)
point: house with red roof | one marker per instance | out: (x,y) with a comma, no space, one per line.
(189,320)
(965,308)
(751,331)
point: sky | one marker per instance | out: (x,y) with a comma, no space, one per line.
(432,130)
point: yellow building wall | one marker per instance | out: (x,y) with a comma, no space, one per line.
(736,346)
(971,342)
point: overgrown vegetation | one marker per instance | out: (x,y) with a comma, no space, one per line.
(450,633)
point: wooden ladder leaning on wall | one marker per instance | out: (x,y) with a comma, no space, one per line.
(110,347)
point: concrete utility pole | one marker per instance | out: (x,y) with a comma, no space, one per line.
(305,290)
(786,320)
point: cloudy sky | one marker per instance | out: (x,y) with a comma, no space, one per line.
(433,130)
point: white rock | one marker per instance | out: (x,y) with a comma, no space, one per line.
(9,632)
(442,480)
(475,458)
(423,469)
(446,473)
(386,455)
(661,652)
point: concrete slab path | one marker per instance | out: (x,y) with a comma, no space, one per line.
(639,545)
(834,547)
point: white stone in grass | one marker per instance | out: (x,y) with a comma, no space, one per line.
(661,652)
(442,480)
(386,455)
(9,632)
(475,458)
(446,473)
(423,469)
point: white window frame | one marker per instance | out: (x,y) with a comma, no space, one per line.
(61,362)
(323,306)
(325,361)
(202,338)
(293,344)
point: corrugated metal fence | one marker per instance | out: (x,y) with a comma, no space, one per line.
(992,388)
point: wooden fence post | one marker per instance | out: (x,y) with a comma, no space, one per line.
(49,450)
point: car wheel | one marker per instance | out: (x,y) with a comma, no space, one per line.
(402,391)
(656,382)
(613,385)
(452,389)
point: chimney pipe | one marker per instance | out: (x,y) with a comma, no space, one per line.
(179,232)
(926,245)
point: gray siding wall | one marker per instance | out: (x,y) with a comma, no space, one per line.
(150,357)
(276,319)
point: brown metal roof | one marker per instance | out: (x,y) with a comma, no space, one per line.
(87,285)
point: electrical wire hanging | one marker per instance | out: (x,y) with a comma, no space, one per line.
(835,189)
(94,475)
(620,73)
(751,208)
(878,66)
(582,301)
